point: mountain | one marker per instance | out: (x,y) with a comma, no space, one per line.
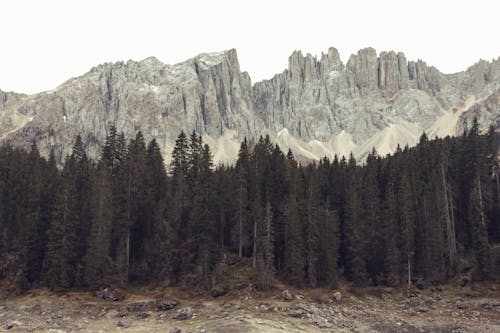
(316,107)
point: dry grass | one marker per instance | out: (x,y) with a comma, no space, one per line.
(320,296)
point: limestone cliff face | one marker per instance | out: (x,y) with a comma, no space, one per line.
(207,94)
(487,112)
(320,98)
(317,106)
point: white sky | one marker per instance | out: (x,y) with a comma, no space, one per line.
(44,43)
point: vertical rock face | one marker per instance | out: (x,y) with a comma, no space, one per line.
(9,99)
(207,94)
(486,111)
(367,95)
(317,106)
(390,75)
(365,67)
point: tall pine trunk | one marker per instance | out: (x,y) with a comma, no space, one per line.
(240,246)
(450,235)
(254,261)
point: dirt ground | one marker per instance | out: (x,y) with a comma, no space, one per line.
(439,309)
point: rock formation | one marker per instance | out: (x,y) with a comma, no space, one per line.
(316,107)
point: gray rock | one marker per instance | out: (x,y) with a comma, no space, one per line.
(286,295)
(184,314)
(316,98)
(163,304)
(486,305)
(337,296)
(142,315)
(461,305)
(218,292)
(175,330)
(122,311)
(110,295)
(140,306)
(112,314)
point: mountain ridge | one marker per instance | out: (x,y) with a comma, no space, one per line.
(326,107)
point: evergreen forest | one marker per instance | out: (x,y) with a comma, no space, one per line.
(130,218)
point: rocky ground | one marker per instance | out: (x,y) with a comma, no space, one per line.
(437,309)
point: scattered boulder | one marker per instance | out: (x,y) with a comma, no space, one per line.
(163,304)
(463,280)
(297,313)
(110,295)
(337,296)
(286,295)
(428,300)
(139,306)
(321,323)
(240,286)
(413,302)
(175,330)
(411,292)
(112,314)
(8,326)
(489,304)
(420,284)
(461,305)
(218,292)
(184,314)
(319,315)
(422,309)
(142,315)
(122,311)
(486,305)
(122,324)
(78,327)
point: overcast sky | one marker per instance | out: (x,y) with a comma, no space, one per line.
(44,43)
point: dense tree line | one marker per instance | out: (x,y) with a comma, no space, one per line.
(128,218)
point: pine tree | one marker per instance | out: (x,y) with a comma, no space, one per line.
(137,214)
(82,173)
(391,240)
(158,247)
(114,156)
(370,215)
(97,259)
(355,252)
(241,230)
(222,184)
(264,253)
(405,212)
(478,222)
(279,187)
(295,248)
(32,246)
(311,219)
(178,211)
(329,272)
(61,260)
(202,217)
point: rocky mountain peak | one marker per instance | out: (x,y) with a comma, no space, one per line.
(330,61)
(318,106)
(151,61)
